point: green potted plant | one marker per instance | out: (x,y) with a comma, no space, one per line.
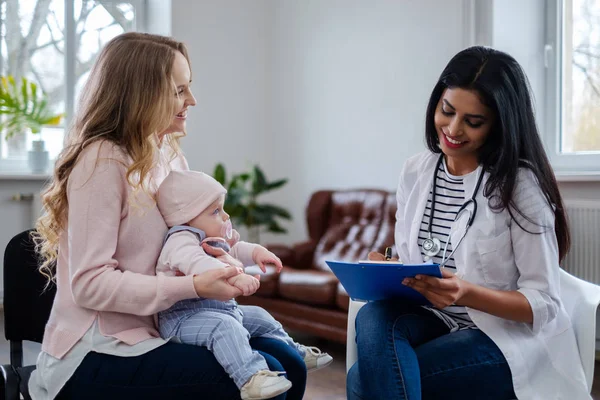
(23,106)
(243,205)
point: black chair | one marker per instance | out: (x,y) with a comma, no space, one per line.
(27,306)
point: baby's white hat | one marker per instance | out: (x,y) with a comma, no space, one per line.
(183,195)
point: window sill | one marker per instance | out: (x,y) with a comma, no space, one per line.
(23,176)
(587,176)
(17,169)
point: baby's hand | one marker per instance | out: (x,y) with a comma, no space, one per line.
(248,284)
(262,256)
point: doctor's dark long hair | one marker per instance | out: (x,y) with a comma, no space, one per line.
(513,141)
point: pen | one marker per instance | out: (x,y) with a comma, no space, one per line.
(388,253)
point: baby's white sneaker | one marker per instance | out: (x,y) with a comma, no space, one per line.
(265,384)
(314,358)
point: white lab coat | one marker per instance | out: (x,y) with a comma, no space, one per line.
(498,254)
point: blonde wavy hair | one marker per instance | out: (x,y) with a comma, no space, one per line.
(127,100)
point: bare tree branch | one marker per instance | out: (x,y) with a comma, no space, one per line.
(37,21)
(588,77)
(53,42)
(86,8)
(13,36)
(118,16)
(40,12)
(586,53)
(1,23)
(38,78)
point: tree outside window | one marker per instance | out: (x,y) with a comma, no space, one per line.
(38,40)
(581,77)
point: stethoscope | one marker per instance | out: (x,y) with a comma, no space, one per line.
(431,245)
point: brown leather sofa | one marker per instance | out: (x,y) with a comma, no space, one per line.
(342,225)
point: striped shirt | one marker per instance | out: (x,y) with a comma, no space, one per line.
(449,197)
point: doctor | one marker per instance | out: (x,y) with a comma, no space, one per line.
(482,201)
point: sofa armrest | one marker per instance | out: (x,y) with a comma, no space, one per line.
(305,254)
(298,256)
(285,253)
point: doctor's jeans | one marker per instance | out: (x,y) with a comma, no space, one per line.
(405,352)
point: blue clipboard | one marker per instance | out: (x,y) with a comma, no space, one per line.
(380,281)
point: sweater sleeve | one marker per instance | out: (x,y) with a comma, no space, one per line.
(183,253)
(97,195)
(400,228)
(536,250)
(243,252)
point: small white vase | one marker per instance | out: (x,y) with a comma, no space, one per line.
(38,159)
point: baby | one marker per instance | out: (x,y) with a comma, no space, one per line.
(191,204)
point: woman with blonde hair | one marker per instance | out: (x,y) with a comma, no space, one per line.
(101,235)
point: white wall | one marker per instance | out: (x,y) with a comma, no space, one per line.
(227,42)
(351,84)
(330,93)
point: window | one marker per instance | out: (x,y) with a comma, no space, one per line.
(572,57)
(54,43)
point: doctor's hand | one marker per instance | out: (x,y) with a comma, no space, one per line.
(440,292)
(375,256)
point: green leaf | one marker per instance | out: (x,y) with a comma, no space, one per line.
(259,183)
(41,107)
(219,174)
(24,106)
(274,227)
(24,93)
(238,181)
(275,185)
(243,204)
(275,211)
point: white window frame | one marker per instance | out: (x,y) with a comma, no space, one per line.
(581,163)
(19,166)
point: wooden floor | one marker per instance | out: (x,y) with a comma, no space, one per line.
(327,383)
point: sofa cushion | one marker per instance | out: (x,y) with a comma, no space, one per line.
(268,281)
(308,286)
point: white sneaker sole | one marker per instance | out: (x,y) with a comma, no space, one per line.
(270,392)
(322,365)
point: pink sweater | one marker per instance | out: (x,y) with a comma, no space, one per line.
(182,253)
(108,254)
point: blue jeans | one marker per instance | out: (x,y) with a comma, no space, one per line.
(176,371)
(407,353)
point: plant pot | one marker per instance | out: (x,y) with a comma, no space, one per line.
(38,159)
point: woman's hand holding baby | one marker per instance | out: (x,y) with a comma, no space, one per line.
(222,256)
(262,256)
(248,284)
(214,284)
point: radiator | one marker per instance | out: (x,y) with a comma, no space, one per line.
(583,259)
